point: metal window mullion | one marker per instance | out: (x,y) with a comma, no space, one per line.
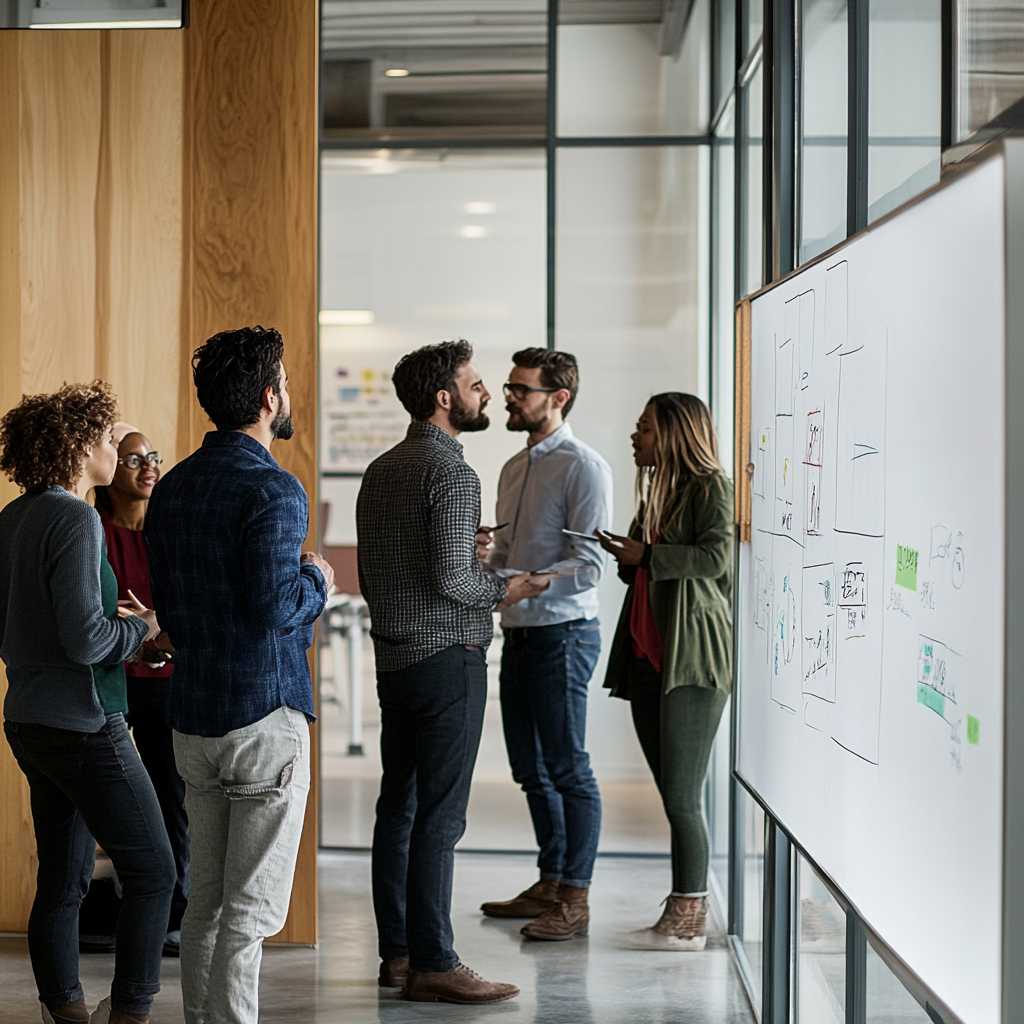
(856,970)
(768,142)
(551,149)
(858,30)
(950,128)
(776,948)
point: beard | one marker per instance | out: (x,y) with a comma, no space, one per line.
(518,421)
(462,419)
(282,428)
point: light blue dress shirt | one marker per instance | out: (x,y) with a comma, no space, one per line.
(560,483)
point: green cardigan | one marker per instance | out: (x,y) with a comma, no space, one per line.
(691,596)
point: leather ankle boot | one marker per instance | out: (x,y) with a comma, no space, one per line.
(69,1013)
(530,902)
(682,926)
(569,917)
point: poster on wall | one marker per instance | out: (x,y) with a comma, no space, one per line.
(361,415)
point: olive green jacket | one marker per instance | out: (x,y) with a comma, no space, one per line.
(690,585)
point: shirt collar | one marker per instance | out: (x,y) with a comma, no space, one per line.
(429,432)
(236,439)
(551,442)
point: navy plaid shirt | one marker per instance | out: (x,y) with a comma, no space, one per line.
(225,530)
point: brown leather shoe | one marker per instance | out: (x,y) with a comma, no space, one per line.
(531,902)
(567,918)
(393,972)
(682,926)
(459,985)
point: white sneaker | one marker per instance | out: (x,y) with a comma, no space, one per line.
(648,938)
(101,1015)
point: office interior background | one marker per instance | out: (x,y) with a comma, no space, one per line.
(606,177)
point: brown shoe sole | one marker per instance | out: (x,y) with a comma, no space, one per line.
(580,933)
(433,997)
(490,910)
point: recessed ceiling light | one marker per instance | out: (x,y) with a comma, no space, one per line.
(346,317)
(397,72)
(480,207)
(473,231)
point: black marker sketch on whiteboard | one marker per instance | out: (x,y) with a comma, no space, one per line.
(860,470)
(813,465)
(937,667)
(785,443)
(836,306)
(763,463)
(947,546)
(785,655)
(800,334)
(819,603)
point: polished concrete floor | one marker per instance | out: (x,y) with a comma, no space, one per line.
(583,981)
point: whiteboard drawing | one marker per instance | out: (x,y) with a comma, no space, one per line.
(764,465)
(947,549)
(936,687)
(859,633)
(836,308)
(813,466)
(784,383)
(786,472)
(800,335)
(785,653)
(860,469)
(819,605)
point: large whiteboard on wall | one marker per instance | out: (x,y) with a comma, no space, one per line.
(871,625)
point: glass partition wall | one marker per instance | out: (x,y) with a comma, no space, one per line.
(611,178)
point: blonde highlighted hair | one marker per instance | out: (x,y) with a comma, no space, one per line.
(685,457)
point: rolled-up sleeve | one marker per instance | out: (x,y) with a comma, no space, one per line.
(588,507)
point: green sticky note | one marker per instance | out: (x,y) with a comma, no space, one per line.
(972,730)
(906,567)
(931,698)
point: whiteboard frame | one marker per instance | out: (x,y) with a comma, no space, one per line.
(1012,966)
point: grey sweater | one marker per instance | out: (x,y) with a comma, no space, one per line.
(52,626)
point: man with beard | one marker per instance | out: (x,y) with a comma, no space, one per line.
(552,641)
(430,605)
(238,600)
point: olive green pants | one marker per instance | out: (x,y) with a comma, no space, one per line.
(676,731)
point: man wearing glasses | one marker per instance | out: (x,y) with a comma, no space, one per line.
(552,641)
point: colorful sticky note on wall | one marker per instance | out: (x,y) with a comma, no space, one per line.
(906,567)
(972,730)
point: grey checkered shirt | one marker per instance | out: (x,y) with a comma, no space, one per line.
(417,516)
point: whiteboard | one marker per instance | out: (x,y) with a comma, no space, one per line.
(871,601)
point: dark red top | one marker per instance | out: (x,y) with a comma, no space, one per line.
(642,627)
(126,552)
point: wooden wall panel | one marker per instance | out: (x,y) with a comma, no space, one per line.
(59,89)
(144,257)
(251,116)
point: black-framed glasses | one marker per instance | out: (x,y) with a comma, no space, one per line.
(133,461)
(520,391)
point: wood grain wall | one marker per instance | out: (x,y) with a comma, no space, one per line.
(157,187)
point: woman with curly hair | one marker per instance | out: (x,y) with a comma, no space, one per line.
(672,653)
(64,638)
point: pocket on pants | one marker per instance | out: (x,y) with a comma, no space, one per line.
(264,758)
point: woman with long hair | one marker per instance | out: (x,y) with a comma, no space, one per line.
(64,638)
(672,653)
(122,507)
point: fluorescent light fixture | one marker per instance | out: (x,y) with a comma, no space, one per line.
(397,73)
(473,231)
(480,207)
(346,317)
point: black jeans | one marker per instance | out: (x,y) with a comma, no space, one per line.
(432,714)
(676,731)
(154,738)
(88,788)
(544,675)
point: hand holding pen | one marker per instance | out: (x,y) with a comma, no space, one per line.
(485,540)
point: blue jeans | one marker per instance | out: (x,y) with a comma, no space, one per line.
(544,675)
(432,714)
(89,788)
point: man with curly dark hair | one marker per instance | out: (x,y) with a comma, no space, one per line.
(224,530)
(64,640)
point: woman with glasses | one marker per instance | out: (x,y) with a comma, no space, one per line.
(122,508)
(672,653)
(63,639)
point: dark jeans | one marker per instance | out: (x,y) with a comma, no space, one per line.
(147,718)
(432,714)
(544,675)
(676,731)
(88,788)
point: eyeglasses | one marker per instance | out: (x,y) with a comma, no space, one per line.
(133,461)
(520,391)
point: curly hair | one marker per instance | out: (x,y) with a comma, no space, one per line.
(231,372)
(421,374)
(44,438)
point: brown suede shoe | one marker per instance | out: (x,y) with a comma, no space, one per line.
(459,985)
(682,926)
(531,902)
(393,972)
(567,918)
